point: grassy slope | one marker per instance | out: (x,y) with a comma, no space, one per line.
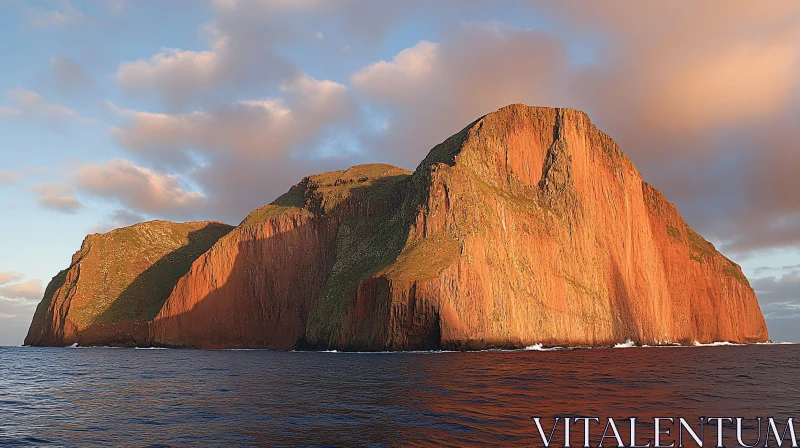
(130,272)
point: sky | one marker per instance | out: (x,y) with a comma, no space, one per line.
(114,112)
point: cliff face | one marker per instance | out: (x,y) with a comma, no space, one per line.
(291,268)
(529,226)
(117,283)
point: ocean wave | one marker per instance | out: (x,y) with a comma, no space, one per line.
(541,348)
(715,344)
(75,345)
(627,344)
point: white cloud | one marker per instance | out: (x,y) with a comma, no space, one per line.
(706,114)
(8,277)
(432,90)
(30,103)
(57,197)
(237,59)
(255,129)
(245,47)
(18,301)
(173,69)
(138,188)
(243,154)
(397,78)
(30,290)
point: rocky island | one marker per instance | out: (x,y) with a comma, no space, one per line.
(529,226)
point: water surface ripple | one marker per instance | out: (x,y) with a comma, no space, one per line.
(127,397)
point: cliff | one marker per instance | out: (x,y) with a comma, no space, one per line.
(118,282)
(528,226)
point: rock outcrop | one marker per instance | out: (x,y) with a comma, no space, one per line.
(528,226)
(118,282)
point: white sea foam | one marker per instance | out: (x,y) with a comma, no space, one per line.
(249,350)
(627,344)
(541,348)
(533,348)
(714,344)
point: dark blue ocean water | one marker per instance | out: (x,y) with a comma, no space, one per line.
(128,397)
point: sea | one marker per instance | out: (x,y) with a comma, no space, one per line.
(103,397)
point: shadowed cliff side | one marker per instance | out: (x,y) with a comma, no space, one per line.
(287,275)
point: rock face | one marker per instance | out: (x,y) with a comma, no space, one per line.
(117,283)
(529,226)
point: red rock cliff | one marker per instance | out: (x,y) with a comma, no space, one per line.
(528,226)
(117,283)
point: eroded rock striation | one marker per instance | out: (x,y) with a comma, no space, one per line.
(528,226)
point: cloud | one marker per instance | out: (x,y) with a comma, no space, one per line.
(66,15)
(725,89)
(138,188)
(252,128)
(8,277)
(706,114)
(779,297)
(369,20)
(259,146)
(57,197)
(9,112)
(68,74)
(15,318)
(7,177)
(433,90)
(30,103)
(398,78)
(18,300)
(245,48)
(238,59)
(781,288)
(30,290)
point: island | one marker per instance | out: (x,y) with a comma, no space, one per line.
(529,226)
